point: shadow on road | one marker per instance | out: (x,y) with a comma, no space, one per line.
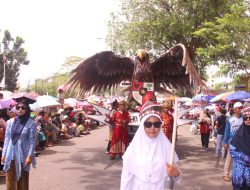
(99,171)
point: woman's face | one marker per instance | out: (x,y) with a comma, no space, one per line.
(246,119)
(152,126)
(21,109)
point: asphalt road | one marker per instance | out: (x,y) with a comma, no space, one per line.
(81,163)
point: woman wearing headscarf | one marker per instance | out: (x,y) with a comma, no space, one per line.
(240,152)
(145,163)
(19,146)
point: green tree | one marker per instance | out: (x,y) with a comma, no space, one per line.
(157,25)
(228,40)
(15,56)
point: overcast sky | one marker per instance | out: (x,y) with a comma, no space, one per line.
(54,30)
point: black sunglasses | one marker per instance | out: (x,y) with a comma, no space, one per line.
(21,107)
(246,118)
(149,124)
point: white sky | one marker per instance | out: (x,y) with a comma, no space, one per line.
(54,30)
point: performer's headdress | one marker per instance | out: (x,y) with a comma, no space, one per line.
(150,108)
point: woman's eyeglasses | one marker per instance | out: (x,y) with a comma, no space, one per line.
(246,118)
(149,124)
(20,107)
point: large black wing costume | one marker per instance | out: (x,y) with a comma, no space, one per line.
(174,69)
(106,69)
(102,70)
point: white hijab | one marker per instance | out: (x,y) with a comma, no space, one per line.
(147,157)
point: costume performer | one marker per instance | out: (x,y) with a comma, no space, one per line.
(119,142)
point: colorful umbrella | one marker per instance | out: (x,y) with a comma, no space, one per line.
(6,103)
(220,97)
(238,95)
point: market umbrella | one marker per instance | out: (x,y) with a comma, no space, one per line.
(238,95)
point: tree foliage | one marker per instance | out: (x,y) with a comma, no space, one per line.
(157,25)
(15,56)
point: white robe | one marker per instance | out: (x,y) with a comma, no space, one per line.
(144,162)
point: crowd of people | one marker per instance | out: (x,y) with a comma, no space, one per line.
(25,133)
(145,159)
(230,131)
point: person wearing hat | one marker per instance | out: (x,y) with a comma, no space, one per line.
(19,147)
(168,120)
(240,152)
(232,125)
(146,161)
(119,141)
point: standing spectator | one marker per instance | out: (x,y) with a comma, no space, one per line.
(168,120)
(2,135)
(60,97)
(19,147)
(240,151)
(146,161)
(220,125)
(204,122)
(232,125)
(120,136)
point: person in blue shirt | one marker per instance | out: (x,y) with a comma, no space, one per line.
(240,152)
(19,147)
(232,125)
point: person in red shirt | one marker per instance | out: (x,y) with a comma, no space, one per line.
(204,122)
(119,142)
(168,120)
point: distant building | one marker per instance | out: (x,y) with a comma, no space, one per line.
(243,84)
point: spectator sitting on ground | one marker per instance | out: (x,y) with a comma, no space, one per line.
(51,128)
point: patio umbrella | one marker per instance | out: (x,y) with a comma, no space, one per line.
(238,95)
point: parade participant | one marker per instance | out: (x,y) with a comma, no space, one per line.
(168,120)
(204,122)
(145,163)
(19,147)
(232,125)
(220,125)
(119,142)
(240,152)
(115,106)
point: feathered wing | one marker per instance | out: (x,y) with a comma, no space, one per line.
(174,69)
(102,70)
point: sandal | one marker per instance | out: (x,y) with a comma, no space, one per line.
(226,178)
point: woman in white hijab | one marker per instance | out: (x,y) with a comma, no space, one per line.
(145,163)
